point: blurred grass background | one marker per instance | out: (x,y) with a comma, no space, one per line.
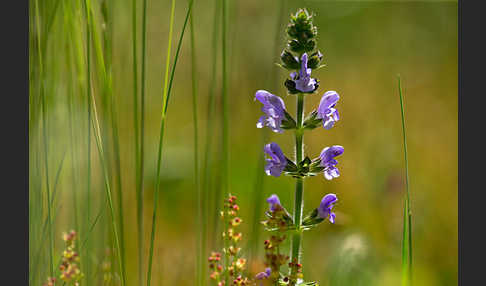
(365,45)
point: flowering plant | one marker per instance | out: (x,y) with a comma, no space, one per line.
(300,59)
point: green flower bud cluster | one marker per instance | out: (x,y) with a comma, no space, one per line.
(302,39)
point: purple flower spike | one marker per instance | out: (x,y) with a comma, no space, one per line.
(326,109)
(264,275)
(303,81)
(327,203)
(274,109)
(277,161)
(273,201)
(328,161)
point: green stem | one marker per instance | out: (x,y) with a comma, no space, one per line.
(136,137)
(87,5)
(45,140)
(98,139)
(299,189)
(142,145)
(208,191)
(225,119)
(165,104)
(408,212)
(200,243)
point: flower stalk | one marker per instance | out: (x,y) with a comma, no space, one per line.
(300,59)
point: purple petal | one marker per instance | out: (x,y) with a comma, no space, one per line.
(328,200)
(327,203)
(329,99)
(329,153)
(331,173)
(273,108)
(277,161)
(273,200)
(332,217)
(303,66)
(261,95)
(261,122)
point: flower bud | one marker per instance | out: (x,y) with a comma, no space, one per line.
(290,85)
(289,61)
(315,60)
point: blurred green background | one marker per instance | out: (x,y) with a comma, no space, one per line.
(366,44)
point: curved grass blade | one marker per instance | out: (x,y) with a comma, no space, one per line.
(407,213)
(166,97)
(201,219)
(142,147)
(106,180)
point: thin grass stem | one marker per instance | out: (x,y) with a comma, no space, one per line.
(165,103)
(44,134)
(142,147)
(96,128)
(407,223)
(88,104)
(208,191)
(200,243)
(136,137)
(156,195)
(225,129)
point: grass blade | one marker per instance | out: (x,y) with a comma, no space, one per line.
(165,104)
(109,195)
(407,215)
(209,192)
(142,148)
(136,137)
(200,241)
(44,134)
(225,129)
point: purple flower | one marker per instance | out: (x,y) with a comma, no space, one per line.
(274,109)
(326,109)
(277,161)
(303,81)
(327,203)
(273,201)
(264,275)
(328,161)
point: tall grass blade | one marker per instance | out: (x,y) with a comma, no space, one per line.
(106,58)
(136,137)
(96,128)
(142,147)
(200,240)
(47,222)
(209,192)
(407,215)
(225,129)
(87,6)
(165,104)
(201,220)
(41,54)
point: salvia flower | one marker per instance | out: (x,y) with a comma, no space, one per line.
(303,80)
(274,109)
(328,161)
(327,203)
(277,161)
(326,110)
(264,275)
(274,201)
